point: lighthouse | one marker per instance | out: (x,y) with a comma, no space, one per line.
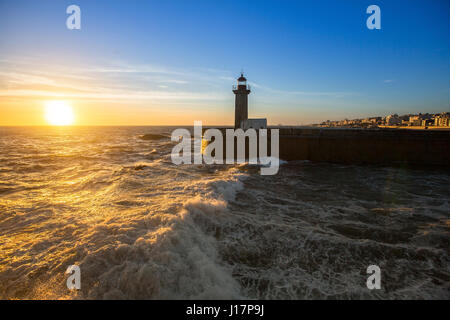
(241,91)
(241,120)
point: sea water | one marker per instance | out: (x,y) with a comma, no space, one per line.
(141,227)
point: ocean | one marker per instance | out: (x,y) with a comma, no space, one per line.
(140,227)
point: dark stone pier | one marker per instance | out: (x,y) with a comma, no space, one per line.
(365,146)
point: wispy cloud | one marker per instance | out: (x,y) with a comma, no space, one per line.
(173,81)
(125,81)
(129,96)
(118,81)
(335,94)
(226,78)
(389,81)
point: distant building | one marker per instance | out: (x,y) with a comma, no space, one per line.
(375,120)
(427,122)
(241,120)
(414,121)
(393,120)
(418,120)
(442,120)
(254,124)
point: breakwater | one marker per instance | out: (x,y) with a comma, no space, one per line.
(365,146)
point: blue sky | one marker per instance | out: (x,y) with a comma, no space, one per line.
(306,61)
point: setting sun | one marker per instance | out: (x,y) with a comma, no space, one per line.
(58,113)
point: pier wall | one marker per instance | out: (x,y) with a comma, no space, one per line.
(365,146)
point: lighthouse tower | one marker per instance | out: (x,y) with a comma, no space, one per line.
(241,91)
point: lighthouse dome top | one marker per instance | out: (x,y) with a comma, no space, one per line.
(242,86)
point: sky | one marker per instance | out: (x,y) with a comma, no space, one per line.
(139,62)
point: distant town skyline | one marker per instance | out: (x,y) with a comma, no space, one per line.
(413,121)
(173,62)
